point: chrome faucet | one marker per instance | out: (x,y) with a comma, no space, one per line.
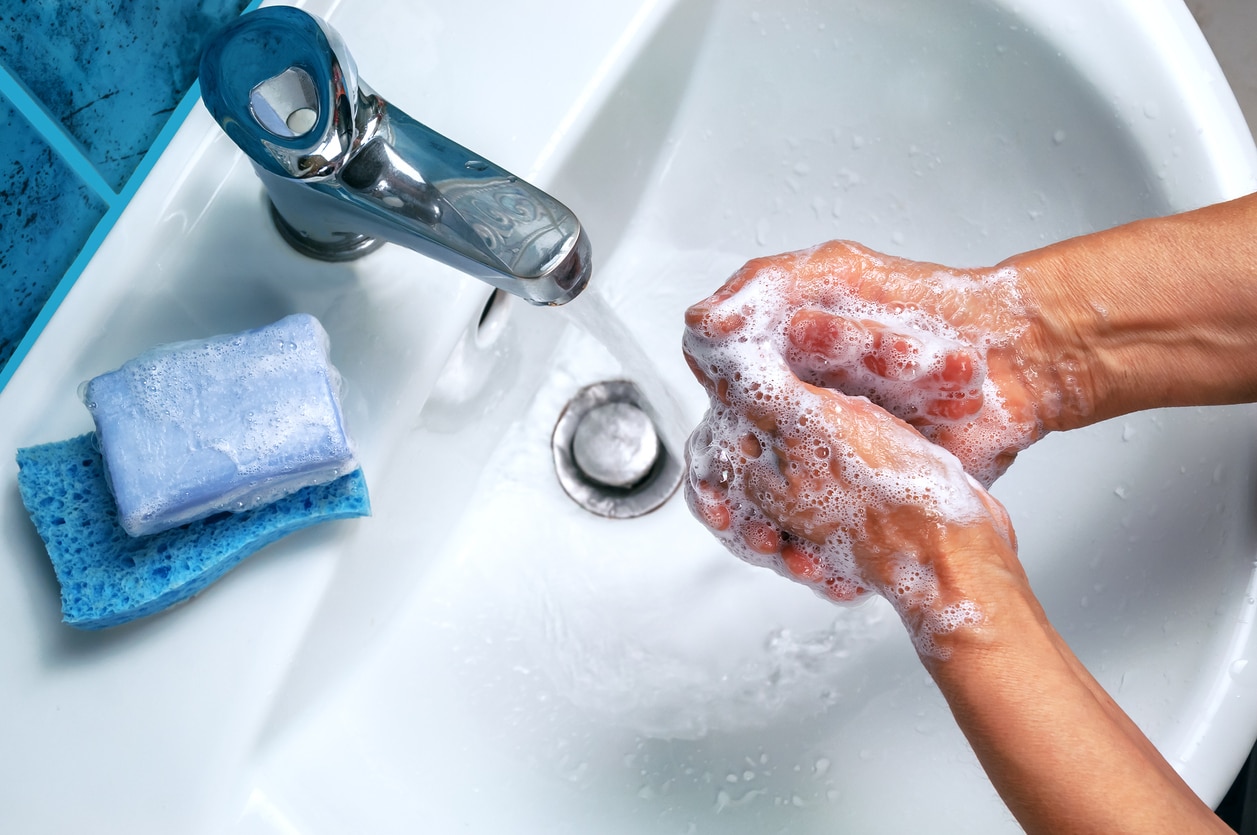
(346,171)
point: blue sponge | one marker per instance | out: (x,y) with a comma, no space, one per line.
(109,577)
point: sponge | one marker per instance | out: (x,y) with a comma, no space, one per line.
(109,577)
(227,423)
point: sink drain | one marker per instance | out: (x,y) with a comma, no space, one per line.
(608,454)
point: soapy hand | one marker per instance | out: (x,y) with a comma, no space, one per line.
(826,488)
(793,469)
(838,494)
(938,348)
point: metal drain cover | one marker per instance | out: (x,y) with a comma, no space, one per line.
(608,455)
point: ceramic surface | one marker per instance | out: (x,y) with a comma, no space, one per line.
(484,656)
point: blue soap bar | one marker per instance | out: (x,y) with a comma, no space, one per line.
(227,423)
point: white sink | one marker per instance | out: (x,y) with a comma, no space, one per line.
(484,656)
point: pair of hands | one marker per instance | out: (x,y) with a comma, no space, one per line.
(861,404)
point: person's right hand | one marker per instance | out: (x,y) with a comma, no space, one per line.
(948,351)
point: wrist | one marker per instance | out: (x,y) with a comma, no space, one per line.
(970,594)
(1154,313)
(1055,355)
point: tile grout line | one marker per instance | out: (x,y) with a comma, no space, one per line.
(69,149)
(117,204)
(55,135)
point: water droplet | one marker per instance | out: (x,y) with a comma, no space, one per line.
(1059,137)
(476,165)
(1121,491)
(1151,109)
(1128,432)
(822,766)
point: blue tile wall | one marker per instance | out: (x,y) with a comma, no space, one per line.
(46,214)
(87,87)
(110,72)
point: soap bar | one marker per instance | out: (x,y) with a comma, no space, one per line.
(227,423)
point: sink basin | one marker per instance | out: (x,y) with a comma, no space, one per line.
(483,655)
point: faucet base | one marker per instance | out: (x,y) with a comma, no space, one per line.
(344,248)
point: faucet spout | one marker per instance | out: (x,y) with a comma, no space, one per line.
(346,171)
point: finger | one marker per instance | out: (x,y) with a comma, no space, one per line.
(895,356)
(761,537)
(709,377)
(820,342)
(709,505)
(699,372)
(803,485)
(714,321)
(953,409)
(716,386)
(803,563)
(957,371)
(843,267)
(709,317)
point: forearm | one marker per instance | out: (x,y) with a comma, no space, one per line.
(827,487)
(1059,751)
(1160,312)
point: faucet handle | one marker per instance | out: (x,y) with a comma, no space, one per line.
(289,74)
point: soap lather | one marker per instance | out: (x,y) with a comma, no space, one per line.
(345,170)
